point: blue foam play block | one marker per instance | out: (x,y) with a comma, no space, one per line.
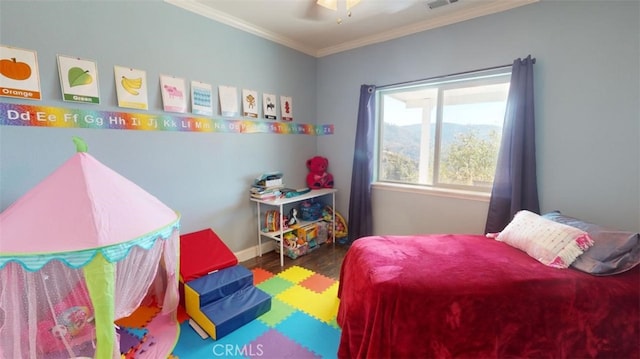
(222,283)
(237,309)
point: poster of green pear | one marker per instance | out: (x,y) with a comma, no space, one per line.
(78,79)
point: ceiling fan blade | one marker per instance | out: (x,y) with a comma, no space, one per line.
(314,12)
(329,4)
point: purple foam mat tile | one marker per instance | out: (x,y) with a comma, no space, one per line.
(273,344)
(128,341)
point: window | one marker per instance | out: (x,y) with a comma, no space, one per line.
(442,132)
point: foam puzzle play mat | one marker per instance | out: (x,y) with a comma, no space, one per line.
(300,324)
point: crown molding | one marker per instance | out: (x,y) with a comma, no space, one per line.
(239,24)
(483,8)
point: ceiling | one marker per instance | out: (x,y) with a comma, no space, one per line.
(316,31)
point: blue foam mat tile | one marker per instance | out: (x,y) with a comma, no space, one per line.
(321,338)
(137,332)
(192,346)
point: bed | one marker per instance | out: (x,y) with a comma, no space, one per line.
(470,296)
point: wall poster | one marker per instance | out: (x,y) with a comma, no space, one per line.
(250,103)
(269,106)
(286,108)
(78,80)
(201,98)
(19,76)
(174,94)
(131,87)
(228,101)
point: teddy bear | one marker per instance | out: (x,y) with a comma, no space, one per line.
(318,176)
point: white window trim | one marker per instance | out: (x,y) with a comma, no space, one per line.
(433,191)
(437,189)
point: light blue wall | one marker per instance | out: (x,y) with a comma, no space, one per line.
(587,80)
(587,103)
(205,176)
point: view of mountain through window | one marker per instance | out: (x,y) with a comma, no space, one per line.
(443,133)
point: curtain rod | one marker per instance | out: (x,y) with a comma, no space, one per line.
(445,76)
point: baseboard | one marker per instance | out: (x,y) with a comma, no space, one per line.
(252,252)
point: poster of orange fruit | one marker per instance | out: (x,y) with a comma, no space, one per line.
(19,75)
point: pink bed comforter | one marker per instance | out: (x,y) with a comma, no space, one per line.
(467,296)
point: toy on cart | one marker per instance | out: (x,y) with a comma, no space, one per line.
(310,210)
(340,225)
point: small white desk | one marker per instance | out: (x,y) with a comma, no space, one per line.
(280,204)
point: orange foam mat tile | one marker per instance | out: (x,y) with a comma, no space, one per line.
(317,283)
(139,318)
(260,275)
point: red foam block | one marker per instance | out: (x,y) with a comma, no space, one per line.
(202,252)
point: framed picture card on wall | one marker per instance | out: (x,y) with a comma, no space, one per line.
(201,98)
(19,76)
(286,108)
(131,87)
(174,94)
(228,101)
(78,79)
(269,106)
(250,103)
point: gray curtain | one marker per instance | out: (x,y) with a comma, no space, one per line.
(515,183)
(360,213)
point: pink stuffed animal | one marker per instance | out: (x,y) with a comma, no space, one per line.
(318,176)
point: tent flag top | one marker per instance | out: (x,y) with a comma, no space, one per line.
(81,146)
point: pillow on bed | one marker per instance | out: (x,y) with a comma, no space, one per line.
(613,252)
(551,243)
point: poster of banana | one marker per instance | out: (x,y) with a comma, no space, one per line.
(131,87)
(78,79)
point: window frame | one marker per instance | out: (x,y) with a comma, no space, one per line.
(441,84)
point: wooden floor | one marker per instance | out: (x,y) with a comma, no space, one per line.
(325,260)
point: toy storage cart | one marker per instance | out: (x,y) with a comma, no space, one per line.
(282,206)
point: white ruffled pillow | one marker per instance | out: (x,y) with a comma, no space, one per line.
(553,244)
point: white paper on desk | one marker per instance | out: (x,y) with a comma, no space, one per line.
(228,100)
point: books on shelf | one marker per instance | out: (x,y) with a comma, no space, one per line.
(269,179)
(267,196)
(268,186)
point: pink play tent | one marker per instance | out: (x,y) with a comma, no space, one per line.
(84,248)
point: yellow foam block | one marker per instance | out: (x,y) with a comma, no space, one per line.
(192,307)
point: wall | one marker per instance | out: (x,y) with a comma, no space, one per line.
(204,176)
(587,105)
(587,80)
